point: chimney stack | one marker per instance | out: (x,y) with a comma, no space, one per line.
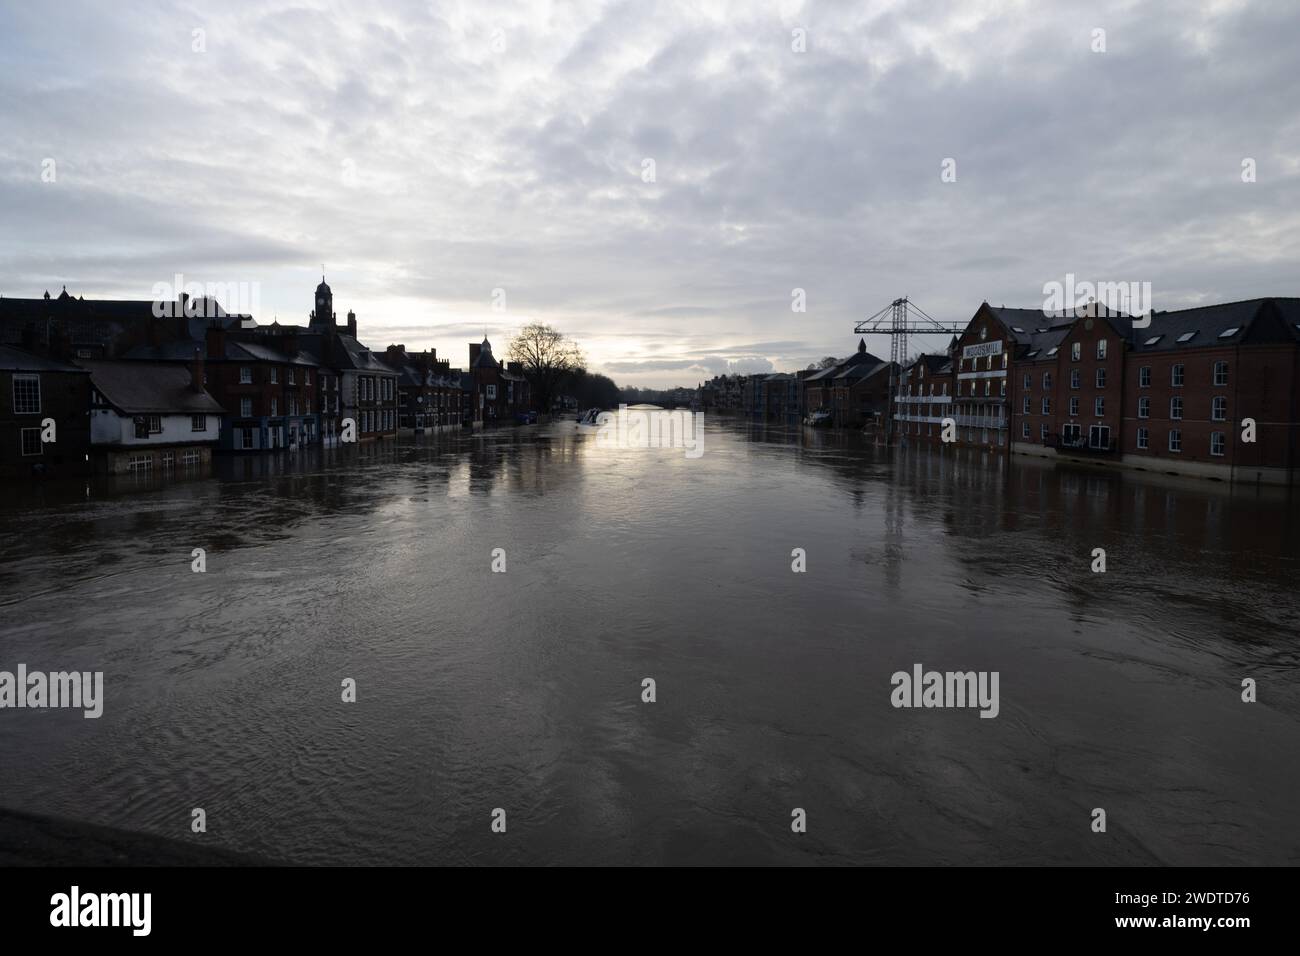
(352,323)
(196,370)
(216,340)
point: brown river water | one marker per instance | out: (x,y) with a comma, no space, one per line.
(523,690)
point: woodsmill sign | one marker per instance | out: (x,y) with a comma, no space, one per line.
(983,348)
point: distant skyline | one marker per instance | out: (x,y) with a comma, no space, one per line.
(430,153)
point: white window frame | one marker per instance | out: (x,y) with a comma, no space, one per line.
(22,443)
(1221,439)
(1175,408)
(1220,373)
(1176,435)
(1144,438)
(26,378)
(1219,408)
(245,375)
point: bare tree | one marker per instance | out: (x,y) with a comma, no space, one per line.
(548,358)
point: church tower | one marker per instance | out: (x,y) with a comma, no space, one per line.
(323,317)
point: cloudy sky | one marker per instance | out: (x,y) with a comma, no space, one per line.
(430,153)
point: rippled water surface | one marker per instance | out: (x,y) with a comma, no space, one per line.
(523,690)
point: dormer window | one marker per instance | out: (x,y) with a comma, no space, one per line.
(1187,337)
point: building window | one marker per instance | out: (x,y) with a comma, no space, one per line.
(1144,438)
(1076,351)
(1074,407)
(1144,376)
(155,424)
(1217,444)
(1101,348)
(1042,432)
(168,459)
(306,376)
(1101,378)
(1219,409)
(1069,434)
(1024,406)
(190,457)
(1024,429)
(139,463)
(275,406)
(198,423)
(245,375)
(1075,377)
(1047,406)
(29,441)
(1175,440)
(275,375)
(291,380)
(1029,381)
(492,391)
(27,394)
(247,437)
(1099,437)
(1047,380)
(1176,375)
(1099,407)
(1144,407)
(1006,358)
(245,408)
(1001,382)
(1176,407)
(988,387)
(1220,373)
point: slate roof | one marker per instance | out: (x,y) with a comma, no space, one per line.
(1252,321)
(138,388)
(20,360)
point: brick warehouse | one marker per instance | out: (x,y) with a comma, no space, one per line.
(1172,396)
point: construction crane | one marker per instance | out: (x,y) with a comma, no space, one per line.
(898,320)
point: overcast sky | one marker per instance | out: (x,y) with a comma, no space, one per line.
(429,153)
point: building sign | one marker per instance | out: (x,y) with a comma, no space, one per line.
(984,348)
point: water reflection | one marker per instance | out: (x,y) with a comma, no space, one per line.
(522,690)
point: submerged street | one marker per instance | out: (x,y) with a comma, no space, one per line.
(523,690)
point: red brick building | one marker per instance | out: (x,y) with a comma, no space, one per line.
(1184,393)
(497,392)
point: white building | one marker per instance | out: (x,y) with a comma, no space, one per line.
(150,417)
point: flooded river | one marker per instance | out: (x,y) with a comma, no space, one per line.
(523,690)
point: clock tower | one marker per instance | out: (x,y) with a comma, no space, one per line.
(323,316)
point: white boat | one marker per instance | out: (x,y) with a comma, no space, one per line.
(817,419)
(589,417)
